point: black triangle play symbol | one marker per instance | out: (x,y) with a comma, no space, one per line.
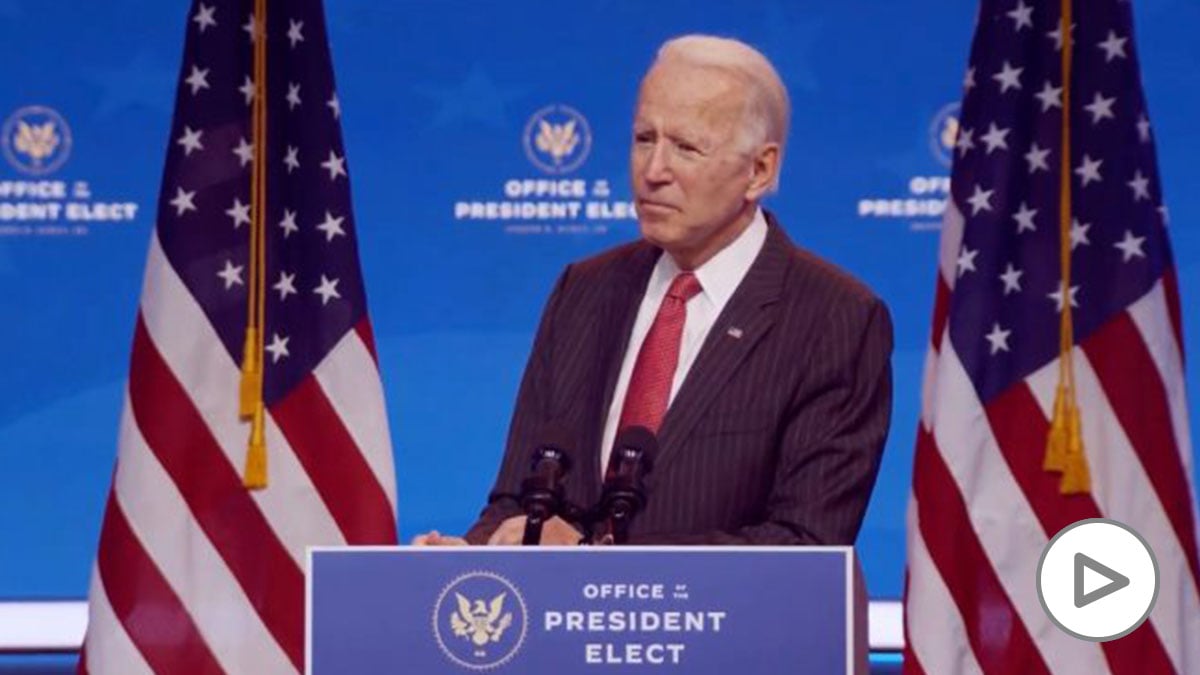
(1117,581)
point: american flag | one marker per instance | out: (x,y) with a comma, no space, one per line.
(982,507)
(195,573)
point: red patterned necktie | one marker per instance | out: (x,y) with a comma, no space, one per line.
(654,371)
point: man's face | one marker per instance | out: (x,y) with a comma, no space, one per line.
(691,180)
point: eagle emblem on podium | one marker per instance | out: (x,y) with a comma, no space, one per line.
(480,622)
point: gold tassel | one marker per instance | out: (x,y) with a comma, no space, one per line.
(250,392)
(1076,479)
(1056,442)
(255,476)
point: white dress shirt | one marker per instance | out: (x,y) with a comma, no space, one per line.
(719,277)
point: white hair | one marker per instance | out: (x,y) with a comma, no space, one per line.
(768,110)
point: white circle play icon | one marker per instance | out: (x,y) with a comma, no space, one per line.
(1097,579)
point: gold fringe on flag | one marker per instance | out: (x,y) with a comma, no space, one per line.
(250,403)
(1064,445)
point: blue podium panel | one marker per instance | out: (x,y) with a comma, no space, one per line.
(573,610)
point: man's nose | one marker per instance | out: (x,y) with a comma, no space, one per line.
(657,168)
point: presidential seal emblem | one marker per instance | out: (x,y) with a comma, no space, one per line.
(557,139)
(480,620)
(943,133)
(37,140)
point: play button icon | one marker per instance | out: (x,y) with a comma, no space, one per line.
(1097,579)
(1084,564)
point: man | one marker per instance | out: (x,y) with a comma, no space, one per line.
(763,370)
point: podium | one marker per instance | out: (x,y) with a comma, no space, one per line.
(605,609)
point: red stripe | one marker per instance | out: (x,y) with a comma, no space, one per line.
(212,488)
(941,312)
(335,465)
(995,631)
(1021,429)
(81,664)
(910,664)
(1138,397)
(367,335)
(142,599)
(1171,290)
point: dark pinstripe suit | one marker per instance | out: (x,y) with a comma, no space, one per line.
(774,437)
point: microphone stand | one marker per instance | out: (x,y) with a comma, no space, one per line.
(533,528)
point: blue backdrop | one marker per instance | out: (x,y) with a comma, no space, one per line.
(436,98)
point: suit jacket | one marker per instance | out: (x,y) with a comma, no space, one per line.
(776,433)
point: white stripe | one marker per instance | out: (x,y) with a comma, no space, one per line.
(351,383)
(1003,520)
(1122,491)
(952,234)
(1153,321)
(109,649)
(929,387)
(198,359)
(160,518)
(935,625)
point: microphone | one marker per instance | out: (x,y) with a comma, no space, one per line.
(623,494)
(542,492)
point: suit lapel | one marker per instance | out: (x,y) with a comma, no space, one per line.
(746,319)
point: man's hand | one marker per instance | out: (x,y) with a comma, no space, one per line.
(555,532)
(435,538)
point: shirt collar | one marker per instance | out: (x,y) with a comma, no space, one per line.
(720,276)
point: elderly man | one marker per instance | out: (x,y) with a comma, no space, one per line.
(763,370)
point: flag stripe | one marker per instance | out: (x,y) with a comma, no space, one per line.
(158,514)
(908,659)
(152,615)
(1170,284)
(929,389)
(940,646)
(1137,396)
(360,406)
(341,474)
(941,307)
(1161,342)
(954,548)
(110,648)
(367,334)
(951,241)
(213,490)
(1139,652)
(210,377)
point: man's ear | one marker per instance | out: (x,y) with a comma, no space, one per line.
(764,169)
